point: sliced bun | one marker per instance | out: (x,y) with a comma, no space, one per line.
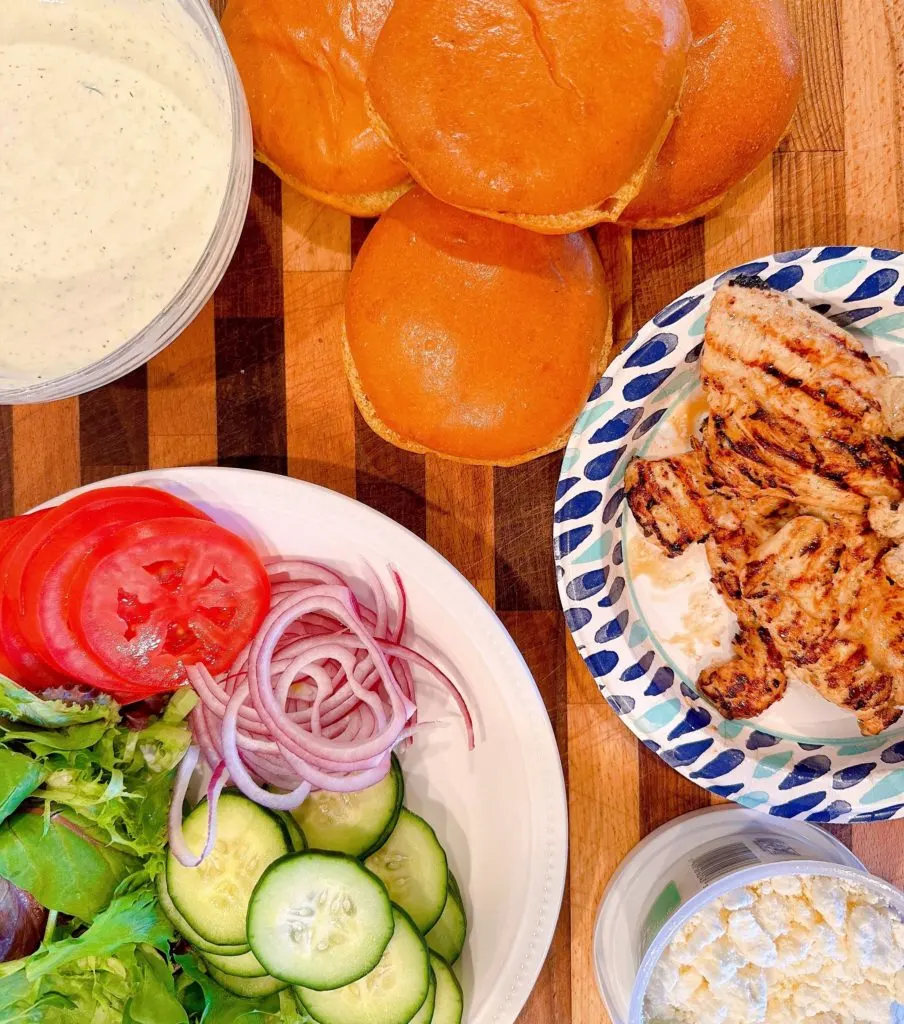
(743,82)
(473,339)
(538,112)
(303,64)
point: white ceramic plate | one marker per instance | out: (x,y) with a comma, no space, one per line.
(500,811)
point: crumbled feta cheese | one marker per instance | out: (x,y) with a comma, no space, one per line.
(789,950)
(740,899)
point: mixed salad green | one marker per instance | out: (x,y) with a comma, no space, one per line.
(84,797)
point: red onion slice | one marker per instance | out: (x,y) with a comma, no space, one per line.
(177,841)
(319,699)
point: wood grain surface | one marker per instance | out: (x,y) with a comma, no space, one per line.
(257,381)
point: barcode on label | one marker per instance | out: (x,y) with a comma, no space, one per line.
(716,863)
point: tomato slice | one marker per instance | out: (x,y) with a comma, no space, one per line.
(47,578)
(9,530)
(19,662)
(154,597)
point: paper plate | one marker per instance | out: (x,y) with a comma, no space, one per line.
(646,625)
(499,811)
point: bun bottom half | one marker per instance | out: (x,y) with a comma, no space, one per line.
(365,204)
(607,212)
(679,219)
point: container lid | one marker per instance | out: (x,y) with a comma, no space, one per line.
(641,877)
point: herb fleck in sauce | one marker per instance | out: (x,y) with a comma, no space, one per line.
(115,145)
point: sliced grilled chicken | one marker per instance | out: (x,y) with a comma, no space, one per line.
(798,493)
(876,617)
(729,550)
(674,500)
(795,404)
(845,675)
(886,517)
(891,396)
(772,453)
(751,682)
(766,350)
(800,586)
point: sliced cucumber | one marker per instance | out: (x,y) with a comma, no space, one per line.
(392,993)
(353,823)
(250,988)
(303,1015)
(425,1014)
(297,840)
(213,898)
(320,920)
(447,936)
(185,929)
(450,1004)
(412,866)
(245,966)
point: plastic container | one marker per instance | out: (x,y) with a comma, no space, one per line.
(683,866)
(209,271)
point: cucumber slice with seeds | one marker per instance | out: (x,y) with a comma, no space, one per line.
(392,993)
(412,866)
(297,839)
(353,823)
(320,920)
(425,1014)
(249,988)
(450,1004)
(213,898)
(185,929)
(447,936)
(245,966)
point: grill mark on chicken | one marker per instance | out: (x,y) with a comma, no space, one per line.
(797,496)
(818,395)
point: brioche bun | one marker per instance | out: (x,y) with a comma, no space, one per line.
(543,113)
(743,82)
(473,339)
(303,64)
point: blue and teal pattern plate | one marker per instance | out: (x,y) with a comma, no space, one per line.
(645,625)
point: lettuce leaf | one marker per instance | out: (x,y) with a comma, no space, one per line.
(21,705)
(135,987)
(117,780)
(94,853)
(60,866)
(96,977)
(221,1007)
(41,742)
(20,776)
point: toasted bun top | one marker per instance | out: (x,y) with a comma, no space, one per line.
(528,106)
(303,64)
(471,337)
(743,83)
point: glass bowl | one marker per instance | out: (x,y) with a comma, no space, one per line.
(207,274)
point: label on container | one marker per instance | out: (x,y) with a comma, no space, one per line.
(707,864)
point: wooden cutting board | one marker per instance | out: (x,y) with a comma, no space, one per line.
(257,382)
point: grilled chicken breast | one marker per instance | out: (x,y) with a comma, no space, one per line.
(796,405)
(798,493)
(675,499)
(751,681)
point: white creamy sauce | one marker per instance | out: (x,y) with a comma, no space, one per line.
(115,146)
